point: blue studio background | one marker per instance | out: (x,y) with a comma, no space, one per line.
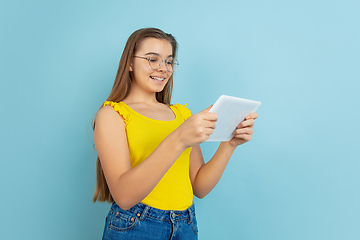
(297,179)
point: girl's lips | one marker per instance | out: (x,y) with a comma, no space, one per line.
(157,80)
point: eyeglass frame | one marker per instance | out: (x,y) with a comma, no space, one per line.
(162,60)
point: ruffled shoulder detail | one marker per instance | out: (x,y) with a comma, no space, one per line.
(184,111)
(120,108)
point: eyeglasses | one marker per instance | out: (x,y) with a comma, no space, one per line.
(155,62)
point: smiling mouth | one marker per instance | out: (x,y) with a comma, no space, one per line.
(157,79)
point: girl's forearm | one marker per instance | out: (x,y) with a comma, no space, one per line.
(210,173)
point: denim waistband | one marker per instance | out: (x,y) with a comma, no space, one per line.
(143,210)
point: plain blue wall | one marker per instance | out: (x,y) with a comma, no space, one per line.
(297,179)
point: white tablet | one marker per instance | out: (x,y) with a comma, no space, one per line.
(231,111)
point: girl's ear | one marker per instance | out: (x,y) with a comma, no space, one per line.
(131,68)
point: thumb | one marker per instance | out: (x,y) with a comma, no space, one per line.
(207,110)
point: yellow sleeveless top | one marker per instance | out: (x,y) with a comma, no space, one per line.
(174,191)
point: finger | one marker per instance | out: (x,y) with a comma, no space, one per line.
(208,131)
(245,137)
(246,123)
(243,131)
(210,116)
(208,109)
(210,124)
(252,116)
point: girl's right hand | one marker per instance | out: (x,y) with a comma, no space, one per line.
(197,128)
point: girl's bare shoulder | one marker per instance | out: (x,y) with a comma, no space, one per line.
(107,115)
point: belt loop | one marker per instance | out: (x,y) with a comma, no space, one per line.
(190,215)
(143,214)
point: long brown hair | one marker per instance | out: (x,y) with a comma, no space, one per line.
(121,89)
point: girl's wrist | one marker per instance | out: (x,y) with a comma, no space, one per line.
(228,145)
(175,141)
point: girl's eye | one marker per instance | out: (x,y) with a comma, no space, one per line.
(154,59)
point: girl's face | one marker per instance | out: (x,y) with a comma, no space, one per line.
(144,77)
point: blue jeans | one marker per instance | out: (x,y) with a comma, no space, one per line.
(145,222)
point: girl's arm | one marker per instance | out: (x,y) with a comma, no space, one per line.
(204,177)
(128,186)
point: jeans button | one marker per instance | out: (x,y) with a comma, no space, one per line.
(173,215)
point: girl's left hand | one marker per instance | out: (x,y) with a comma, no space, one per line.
(244,130)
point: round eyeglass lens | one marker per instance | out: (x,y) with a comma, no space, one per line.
(155,61)
(171,64)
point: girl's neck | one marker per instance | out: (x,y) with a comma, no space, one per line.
(140,97)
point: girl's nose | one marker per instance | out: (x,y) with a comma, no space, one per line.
(162,68)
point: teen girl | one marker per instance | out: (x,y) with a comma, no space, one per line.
(149,160)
